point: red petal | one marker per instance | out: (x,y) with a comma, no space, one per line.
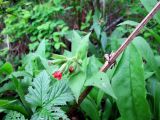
(57,75)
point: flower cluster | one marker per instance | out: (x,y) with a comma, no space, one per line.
(57,75)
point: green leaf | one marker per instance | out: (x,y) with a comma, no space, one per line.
(57,45)
(77,81)
(6,102)
(7,86)
(157,58)
(14,115)
(129,86)
(6,68)
(93,66)
(75,39)
(96,25)
(59,93)
(41,48)
(129,22)
(80,45)
(104,40)
(101,81)
(116,38)
(107,110)
(154,34)
(90,108)
(147,54)
(39,90)
(48,97)
(153,86)
(56,56)
(19,90)
(11,105)
(149,4)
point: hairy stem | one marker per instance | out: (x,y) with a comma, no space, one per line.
(113,58)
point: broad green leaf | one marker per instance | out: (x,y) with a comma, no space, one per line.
(80,45)
(90,108)
(83,46)
(129,86)
(6,68)
(75,39)
(41,48)
(19,89)
(93,66)
(116,38)
(76,82)
(149,4)
(101,81)
(147,54)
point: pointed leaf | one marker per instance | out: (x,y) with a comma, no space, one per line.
(149,4)
(41,48)
(6,68)
(77,81)
(89,106)
(101,81)
(129,86)
(147,54)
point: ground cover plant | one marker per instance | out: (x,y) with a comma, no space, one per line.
(61,59)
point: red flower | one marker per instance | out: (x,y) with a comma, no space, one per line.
(71,69)
(57,75)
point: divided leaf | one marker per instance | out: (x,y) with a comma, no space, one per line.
(48,97)
(38,92)
(60,93)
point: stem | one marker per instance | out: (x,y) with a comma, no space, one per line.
(131,37)
(113,58)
